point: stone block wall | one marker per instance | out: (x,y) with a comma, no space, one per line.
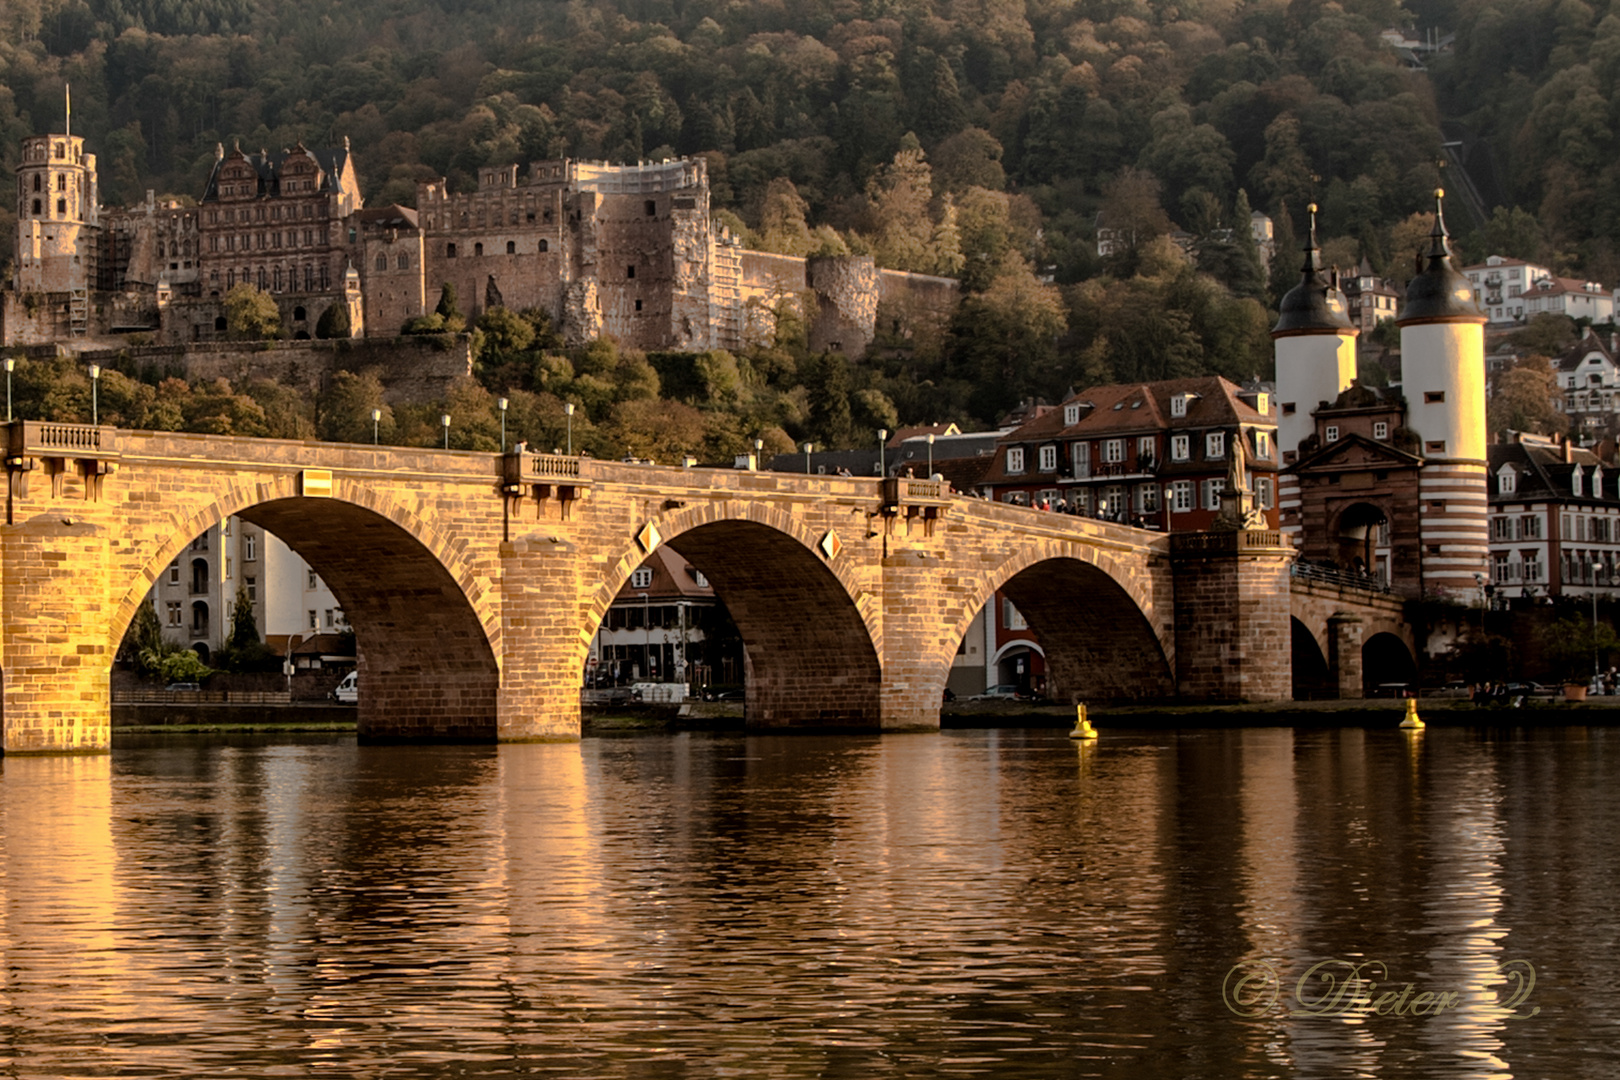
(1234,637)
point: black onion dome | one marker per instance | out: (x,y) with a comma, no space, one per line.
(1439,290)
(1315,304)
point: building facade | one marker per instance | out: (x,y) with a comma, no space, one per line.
(1152,454)
(1555,521)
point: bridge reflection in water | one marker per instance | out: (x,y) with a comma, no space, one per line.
(1001,903)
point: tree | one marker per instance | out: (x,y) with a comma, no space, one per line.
(899,194)
(244,627)
(1525,400)
(782,227)
(1133,214)
(251,315)
(334,321)
(446,308)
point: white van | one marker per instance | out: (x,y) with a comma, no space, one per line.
(347,692)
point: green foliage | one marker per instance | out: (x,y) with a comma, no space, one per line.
(334,322)
(244,627)
(251,315)
(169,663)
(1573,644)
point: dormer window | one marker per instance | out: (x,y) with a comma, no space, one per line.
(1215,445)
(1575,481)
(1262,403)
(1049,459)
(1507,480)
(1178,405)
(1071,415)
(1015,459)
(1597,482)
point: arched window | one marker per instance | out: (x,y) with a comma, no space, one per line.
(545,245)
(199,580)
(449,251)
(382,262)
(36,182)
(61,206)
(478,249)
(298,314)
(219,323)
(36,208)
(230,279)
(511,247)
(404,262)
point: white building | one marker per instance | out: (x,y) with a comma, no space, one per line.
(1499,285)
(195,597)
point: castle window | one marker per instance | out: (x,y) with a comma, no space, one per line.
(1331,433)
(36,207)
(630,271)
(36,181)
(1434,397)
(382,262)
(1438,447)
(478,249)
(545,245)
(61,206)
(219,325)
(450,251)
(652,208)
(404,262)
(61,181)
(511,247)
(298,314)
(230,279)
(638,305)
(1380,430)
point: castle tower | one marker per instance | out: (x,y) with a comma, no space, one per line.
(1316,361)
(57,217)
(1443,378)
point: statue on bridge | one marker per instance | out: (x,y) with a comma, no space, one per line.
(1237,498)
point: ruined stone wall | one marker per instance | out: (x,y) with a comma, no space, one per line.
(846,288)
(392,279)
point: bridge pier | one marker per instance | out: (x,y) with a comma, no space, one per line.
(54,611)
(1344,653)
(1234,641)
(542,651)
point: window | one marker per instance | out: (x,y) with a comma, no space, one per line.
(1113,451)
(1262,491)
(1532,565)
(545,245)
(1575,481)
(1504,570)
(1144,450)
(330,622)
(250,547)
(450,251)
(1181,495)
(1507,480)
(313,624)
(1262,445)
(1438,447)
(1530,527)
(174,572)
(1212,494)
(1011,617)
(313,581)
(1180,447)
(252,587)
(174,609)
(1380,430)
(1081,453)
(382,262)
(404,262)
(199,618)
(1015,459)
(652,208)
(1048,459)
(1178,404)
(1288,408)
(1434,397)
(642,578)
(1071,414)
(630,271)
(1147,499)
(1502,528)
(511,247)
(1215,445)
(1331,433)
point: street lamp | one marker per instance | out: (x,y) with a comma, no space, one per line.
(569,410)
(930,455)
(95,385)
(759,447)
(11,365)
(807,458)
(376,419)
(883,439)
(445,421)
(501,404)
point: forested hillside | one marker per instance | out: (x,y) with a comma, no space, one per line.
(976,138)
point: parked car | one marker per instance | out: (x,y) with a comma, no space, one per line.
(1001,692)
(347,692)
(187,687)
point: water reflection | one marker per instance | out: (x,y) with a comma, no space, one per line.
(992,903)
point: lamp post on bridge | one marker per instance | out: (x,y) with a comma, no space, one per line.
(883,441)
(759,450)
(502,403)
(930,455)
(376,419)
(445,421)
(568,410)
(95,387)
(807,447)
(11,365)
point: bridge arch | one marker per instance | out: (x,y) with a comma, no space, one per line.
(810,631)
(427,627)
(1093,619)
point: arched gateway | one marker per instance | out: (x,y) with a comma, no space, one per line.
(475,582)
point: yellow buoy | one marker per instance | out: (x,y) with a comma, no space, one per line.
(1411,721)
(1082,726)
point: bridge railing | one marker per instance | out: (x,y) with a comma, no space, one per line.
(201,697)
(1221,543)
(35,438)
(1342,579)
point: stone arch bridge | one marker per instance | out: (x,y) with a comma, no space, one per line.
(475,582)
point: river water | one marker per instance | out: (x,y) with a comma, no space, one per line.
(966,903)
